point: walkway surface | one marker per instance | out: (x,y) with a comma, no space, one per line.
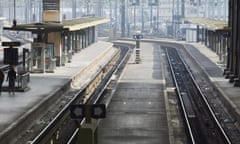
(137,113)
(13,108)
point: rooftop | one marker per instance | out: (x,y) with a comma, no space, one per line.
(70,25)
(209,23)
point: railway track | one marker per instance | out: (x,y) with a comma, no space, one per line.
(202,126)
(201,122)
(61,128)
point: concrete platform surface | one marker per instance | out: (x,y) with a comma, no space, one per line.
(14,107)
(137,113)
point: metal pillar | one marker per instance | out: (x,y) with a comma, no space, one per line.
(151,17)
(142,17)
(69,47)
(94,34)
(234,41)
(134,17)
(1,8)
(122,18)
(229,46)
(64,48)
(183,8)
(99,7)
(116,12)
(237,48)
(74,9)
(173,19)
(88,36)
(198,33)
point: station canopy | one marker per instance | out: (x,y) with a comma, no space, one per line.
(69,25)
(210,24)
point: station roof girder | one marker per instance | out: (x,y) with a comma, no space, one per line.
(210,24)
(70,25)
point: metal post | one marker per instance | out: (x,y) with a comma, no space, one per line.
(142,17)
(99,7)
(1,8)
(198,9)
(134,17)
(14,9)
(74,9)
(27,9)
(123,18)
(14,4)
(40,10)
(151,16)
(87,7)
(157,19)
(110,9)
(173,19)
(116,12)
(183,8)
(209,10)
(216,6)
(225,10)
(177,20)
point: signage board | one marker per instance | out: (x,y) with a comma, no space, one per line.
(11,44)
(79,111)
(10,56)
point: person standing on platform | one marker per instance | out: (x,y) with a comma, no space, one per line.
(1,80)
(11,77)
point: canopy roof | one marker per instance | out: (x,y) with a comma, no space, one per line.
(70,25)
(209,23)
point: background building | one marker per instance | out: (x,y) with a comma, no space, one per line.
(152,17)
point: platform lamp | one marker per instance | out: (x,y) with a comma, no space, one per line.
(14,10)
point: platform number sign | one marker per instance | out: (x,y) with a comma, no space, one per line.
(10,56)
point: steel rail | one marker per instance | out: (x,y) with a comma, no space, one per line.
(187,123)
(222,132)
(118,67)
(206,102)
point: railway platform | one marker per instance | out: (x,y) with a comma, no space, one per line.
(44,87)
(137,110)
(136,114)
(209,62)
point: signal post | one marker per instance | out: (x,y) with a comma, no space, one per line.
(87,133)
(137,37)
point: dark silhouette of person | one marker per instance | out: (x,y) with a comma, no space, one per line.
(1,80)
(11,77)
